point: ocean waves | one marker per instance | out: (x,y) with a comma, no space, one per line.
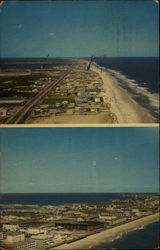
(140,94)
(143,237)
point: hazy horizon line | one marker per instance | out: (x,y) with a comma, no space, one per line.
(85,193)
(80,57)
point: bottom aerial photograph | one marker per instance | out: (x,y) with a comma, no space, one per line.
(79,188)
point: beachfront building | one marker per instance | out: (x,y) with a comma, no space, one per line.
(112,219)
(87,225)
(118,221)
(107,217)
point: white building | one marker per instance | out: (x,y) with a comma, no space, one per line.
(41,236)
(97,99)
(11,227)
(36,231)
(107,217)
(28,244)
(3,112)
(14,237)
(118,220)
(112,219)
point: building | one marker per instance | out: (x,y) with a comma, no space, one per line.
(3,112)
(14,237)
(33,231)
(17,241)
(10,227)
(1,236)
(28,244)
(107,217)
(87,225)
(118,221)
(10,100)
(112,219)
(97,99)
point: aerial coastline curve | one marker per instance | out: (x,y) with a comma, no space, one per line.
(123,106)
(110,234)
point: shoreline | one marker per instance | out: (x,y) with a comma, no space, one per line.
(110,234)
(122,104)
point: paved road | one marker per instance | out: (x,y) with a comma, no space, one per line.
(25,111)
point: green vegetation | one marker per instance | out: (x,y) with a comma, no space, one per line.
(23,87)
(24,94)
(6,70)
(11,93)
(14,81)
(7,105)
(20,78)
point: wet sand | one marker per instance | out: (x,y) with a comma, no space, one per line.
(110,234)
(123,107)
(122,104)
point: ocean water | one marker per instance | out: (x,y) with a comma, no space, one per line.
(144,238)
(60,198)
(139,75)
(144,70)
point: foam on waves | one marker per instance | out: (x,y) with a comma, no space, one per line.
(140,94)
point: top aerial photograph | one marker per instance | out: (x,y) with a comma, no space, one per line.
(79,62)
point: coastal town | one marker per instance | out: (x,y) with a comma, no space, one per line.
(49,92)
(79,125)
(67,91)
(55,226)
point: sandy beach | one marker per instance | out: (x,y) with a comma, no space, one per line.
(110,234)
(123,107)
(122,104)
(101,118)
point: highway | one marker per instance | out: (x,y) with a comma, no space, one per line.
(25,111)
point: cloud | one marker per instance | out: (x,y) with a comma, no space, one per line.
(94,163)
(19,26)
(51,34)
(15,164)
(22,163)
(116,158)
(30,183)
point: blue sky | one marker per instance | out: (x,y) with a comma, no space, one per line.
(79,28)
(79,159)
